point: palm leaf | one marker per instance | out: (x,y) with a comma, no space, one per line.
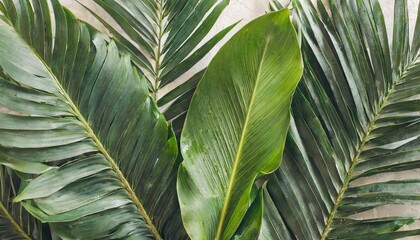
(15,222)
(166,39)
(355,116)
(86,113)
(229,138)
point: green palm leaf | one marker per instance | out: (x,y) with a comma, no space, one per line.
(355,115)
(229,138)
(166,39)
(101,156)
(15,222)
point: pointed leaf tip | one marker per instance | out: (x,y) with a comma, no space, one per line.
(229,137)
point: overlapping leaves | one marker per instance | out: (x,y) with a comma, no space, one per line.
(355,115)
(100,157)
(166,39)
(15,222)
(230,138)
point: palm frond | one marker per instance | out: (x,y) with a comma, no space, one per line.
(355,115)
(166,39)
(103,157)
(15,222)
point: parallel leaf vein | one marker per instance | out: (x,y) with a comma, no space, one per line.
(239,150)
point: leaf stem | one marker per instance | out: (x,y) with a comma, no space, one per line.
(365,139)
(158,52)
(14,223)
(219,234)
(121,177)
(142,211)
(105,153)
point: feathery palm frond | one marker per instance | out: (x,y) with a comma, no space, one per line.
(355,115)
(85,112)
(166,39)
(15,222)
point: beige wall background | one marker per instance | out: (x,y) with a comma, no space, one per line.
(246,10)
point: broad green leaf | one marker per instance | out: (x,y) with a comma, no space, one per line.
(354,116)
(100,157)
(230,138)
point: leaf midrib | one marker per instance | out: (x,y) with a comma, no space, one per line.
(355,160)
(158,52)
(101,148)
(239,150)
(14,223)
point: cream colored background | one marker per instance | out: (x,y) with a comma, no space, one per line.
(246,10)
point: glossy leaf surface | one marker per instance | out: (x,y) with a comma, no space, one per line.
(230,137)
